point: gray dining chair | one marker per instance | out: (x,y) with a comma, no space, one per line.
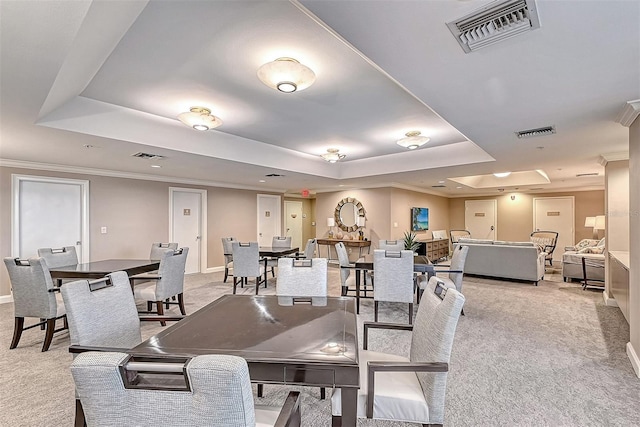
(34,295)
(247,263)
(209,390)
(278,242)
(310,250)
(391,245)
(347,280)
(394,279)
(168,283)
(157,249)
(412,389)
(227,251)
(59,257)
(452,275)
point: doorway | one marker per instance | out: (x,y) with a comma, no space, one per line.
(293,222)
(49,213)
(480,218)
(188,226)
(555,214)
(269,218)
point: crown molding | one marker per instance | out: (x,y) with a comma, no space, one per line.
(129,175)
(613,157)
(629,113)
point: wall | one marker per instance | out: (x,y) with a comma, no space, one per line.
(401,203)
(617,205)
(136,213)
(633,348)
(515,217)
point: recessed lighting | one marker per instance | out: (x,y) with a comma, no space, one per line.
(156,166)
(262,180)
(458,187)
(440,182)
(88,146)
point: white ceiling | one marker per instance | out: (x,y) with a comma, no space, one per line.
(114,75)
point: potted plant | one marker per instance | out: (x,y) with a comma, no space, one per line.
(411,242)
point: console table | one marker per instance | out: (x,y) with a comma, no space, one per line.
(330,243)
(434,249)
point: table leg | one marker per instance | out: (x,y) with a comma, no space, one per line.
(358,291)
(349,398)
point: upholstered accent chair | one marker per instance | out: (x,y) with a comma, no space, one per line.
(247,263)
(394,279)
(227,250)
(391,245)
(59,257)
(278,242)
(168,283)
(348,280)
(210,390)
(547,241)
(452,276)
(412,389)
(34,296)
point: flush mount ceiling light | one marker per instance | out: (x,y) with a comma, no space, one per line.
(501,174)
(332,155)
(199,118)
(413,140)
(286,75)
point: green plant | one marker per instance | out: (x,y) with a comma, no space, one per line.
(411,242)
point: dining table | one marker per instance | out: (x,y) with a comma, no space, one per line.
(421,264)
(99,269)
(303,343)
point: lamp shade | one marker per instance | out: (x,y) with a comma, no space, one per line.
(286,75)
(331,222)
(599,224)
(590,221)
(200,118)
(413,140)
(360,221)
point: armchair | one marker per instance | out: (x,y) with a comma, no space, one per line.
(547,241)
(410,389)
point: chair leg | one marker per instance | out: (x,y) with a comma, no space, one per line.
(226,274)
(257,284)
(166,303)
(149,306)
(17,332)
(235,283)
(411,313)
(160,310)
(51,327)
(260,390)
(181,304)
(336,421)
(79,421)
(323,393)
(375,311)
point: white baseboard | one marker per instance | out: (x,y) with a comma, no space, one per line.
(609,301)
(633,357)
(214,269)
(5,299)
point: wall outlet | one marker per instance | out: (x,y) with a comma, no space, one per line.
(103,230)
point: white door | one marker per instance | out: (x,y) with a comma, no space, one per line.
(293,223)
(49,213)
(480,218)
(269,218)
(188,210)
(555,214)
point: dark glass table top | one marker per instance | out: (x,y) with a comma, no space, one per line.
(260,328)
(98,269)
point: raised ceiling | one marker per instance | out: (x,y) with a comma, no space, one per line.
(115,75)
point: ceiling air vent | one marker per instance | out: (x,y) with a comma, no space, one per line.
(580,175)
(548,130)
(494,23)
(148,156)
(439,186)
(272,175)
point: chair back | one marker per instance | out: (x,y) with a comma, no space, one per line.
(171,272)
(343,260)
(546,240)
(102,312)
(391,245)
(157,249)
(310,249)
(302,278)
(457,234)
(227,249)
(393,275)
(59,257)
(32,287)
(431,341)
(281,242)
(458,259)
(246,259)
(220,392)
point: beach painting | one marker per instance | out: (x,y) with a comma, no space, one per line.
(419,219)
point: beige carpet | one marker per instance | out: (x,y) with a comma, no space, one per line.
(551,355)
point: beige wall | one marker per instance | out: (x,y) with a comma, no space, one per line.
(401,203)
(515,217)
(617,205)
(634,244)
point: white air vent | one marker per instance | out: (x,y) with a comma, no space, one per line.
(580,175)
(529,133)
(148,156)
(495,22)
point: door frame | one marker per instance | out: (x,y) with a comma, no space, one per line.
(16,179)
(203,222)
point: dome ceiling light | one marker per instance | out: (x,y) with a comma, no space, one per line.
(332,155)
(501,174)
(413,140)
(286,75)
(200,118)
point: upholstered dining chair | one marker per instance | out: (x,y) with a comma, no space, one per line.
(168,283)
(412,389)
(452,276)
(278,242)
(394,279)
(547,241)
(310,250)
(210,390)
(59,257)
(34,296)
(247,263)
(391,245)
(227,251)
(347,280)
(157,249)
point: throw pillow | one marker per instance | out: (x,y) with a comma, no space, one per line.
(592,250)
(600,243)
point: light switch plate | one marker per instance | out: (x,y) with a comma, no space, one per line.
(103,230)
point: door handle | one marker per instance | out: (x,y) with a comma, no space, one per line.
(79,243)
(197,237)
(492,228)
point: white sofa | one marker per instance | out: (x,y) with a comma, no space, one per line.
(572,260)
(504,260)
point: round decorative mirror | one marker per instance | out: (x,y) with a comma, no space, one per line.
(347,213)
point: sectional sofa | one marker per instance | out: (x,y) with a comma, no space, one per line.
(504,260)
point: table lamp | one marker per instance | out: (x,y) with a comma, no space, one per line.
(331,223)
